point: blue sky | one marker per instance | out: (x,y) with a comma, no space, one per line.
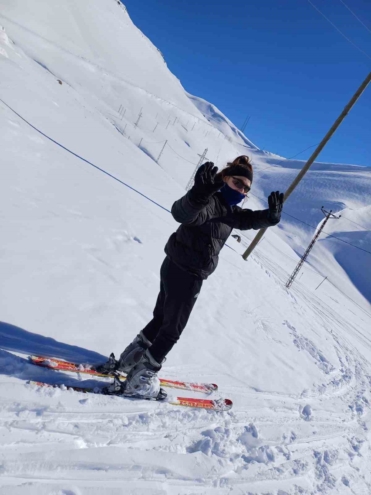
(278,61)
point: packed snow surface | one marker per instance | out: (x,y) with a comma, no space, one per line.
(98,139)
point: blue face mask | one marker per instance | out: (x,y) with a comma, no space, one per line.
(231,196)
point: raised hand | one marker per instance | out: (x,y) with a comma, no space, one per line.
(206,182)
(275,203)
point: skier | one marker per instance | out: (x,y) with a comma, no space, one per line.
(207,214)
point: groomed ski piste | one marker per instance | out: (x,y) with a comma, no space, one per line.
(87,105)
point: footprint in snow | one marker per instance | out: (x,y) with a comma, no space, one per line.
(306,413)
(304,344)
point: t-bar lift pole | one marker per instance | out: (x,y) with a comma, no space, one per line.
(317,151)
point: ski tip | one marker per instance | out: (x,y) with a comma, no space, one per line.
(223,405)
(213,387)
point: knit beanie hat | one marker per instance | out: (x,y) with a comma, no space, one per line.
(240,166)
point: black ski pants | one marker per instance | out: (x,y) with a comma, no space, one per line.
(178,294)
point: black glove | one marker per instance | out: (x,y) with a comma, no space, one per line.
(275,202)
(206,183)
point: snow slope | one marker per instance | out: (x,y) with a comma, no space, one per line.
(86,107)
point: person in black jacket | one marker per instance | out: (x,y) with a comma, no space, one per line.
(207,215)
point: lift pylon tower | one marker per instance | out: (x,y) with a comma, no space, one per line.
(328,215)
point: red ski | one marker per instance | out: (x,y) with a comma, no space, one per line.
(220,405)
(61,365)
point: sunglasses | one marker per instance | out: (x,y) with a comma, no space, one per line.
(241,185)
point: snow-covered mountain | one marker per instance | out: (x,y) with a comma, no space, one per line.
(97,139)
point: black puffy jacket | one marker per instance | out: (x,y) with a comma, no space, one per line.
(205,228)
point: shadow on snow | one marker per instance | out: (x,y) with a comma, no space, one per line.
(16,339)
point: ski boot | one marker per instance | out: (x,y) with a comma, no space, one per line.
(129,357)
(142,382)
(117,387)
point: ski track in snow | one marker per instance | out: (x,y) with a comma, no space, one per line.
(280,439)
